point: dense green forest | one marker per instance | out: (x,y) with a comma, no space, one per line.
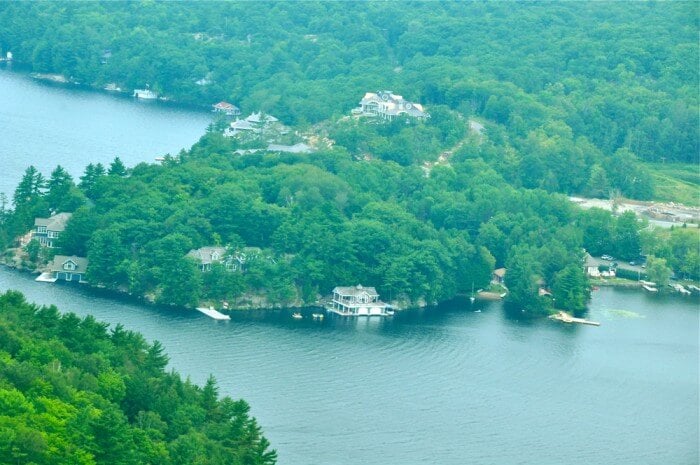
(75,392)
(574,92)
(325,219)
(571,95)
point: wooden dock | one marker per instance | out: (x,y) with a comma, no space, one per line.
(46,277)
(210,312)
(566,318)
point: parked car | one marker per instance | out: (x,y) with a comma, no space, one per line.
(607,257)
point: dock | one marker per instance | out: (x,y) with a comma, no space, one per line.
(47,277)
(566,318)
(649,288)
(210,312)
(680,288)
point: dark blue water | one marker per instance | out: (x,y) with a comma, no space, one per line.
(439,386)
(444,385)
(48,125)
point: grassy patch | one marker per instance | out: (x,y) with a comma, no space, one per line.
(676,182)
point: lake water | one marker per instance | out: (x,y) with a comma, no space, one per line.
(47,125)
(446,386)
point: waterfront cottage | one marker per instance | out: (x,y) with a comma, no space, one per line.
(498,275)
(227,108)
(205,256)
(357,301)
(66,268)
(47,230)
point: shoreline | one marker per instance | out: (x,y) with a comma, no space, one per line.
(59,80)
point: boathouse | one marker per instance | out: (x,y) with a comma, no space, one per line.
(227,108)
(73,268)
(357,301)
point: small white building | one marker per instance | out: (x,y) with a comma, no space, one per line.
(357,301)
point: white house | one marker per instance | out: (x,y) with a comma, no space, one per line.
(357,301)
(387,105)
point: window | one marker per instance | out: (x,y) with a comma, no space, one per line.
(41,229)
(69,266)
(53,234)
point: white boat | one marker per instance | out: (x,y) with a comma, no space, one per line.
(317,316)
(145,94)
(297,316)
(649,288)
(112,87)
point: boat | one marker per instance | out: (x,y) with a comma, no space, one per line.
(471,297)
(317,316)
(477,311)
(145,94)
(112,87)
(649,288)
(297,316)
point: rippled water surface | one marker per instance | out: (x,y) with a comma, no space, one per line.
(445,385)
(48,125)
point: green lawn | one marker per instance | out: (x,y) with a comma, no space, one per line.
(676,182)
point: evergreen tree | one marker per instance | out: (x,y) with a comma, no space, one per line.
(117,168)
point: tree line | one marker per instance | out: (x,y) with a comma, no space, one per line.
(73,391)
(574,94)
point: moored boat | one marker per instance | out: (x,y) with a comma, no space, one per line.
(145,94)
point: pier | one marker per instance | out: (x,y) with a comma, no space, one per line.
(566,318)
(210,312)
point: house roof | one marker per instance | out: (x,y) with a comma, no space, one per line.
(205,254)
(56,222)
(225,106)
(500,272)
(355,290)
(258,117)
(81,263)
(242,125)
(296,148)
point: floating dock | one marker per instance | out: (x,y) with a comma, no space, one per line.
(46,278)
(566,318)
(649,288)
(210,312)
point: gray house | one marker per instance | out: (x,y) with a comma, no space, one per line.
(205,256)
(73,268)
(47,230)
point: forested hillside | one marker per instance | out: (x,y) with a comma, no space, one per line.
(571,95)
(74,392)
(619,75)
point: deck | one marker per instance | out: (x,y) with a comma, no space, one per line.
(210,312)
(566,318)
(46,278)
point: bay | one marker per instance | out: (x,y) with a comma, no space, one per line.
(444,385)
(47,124)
